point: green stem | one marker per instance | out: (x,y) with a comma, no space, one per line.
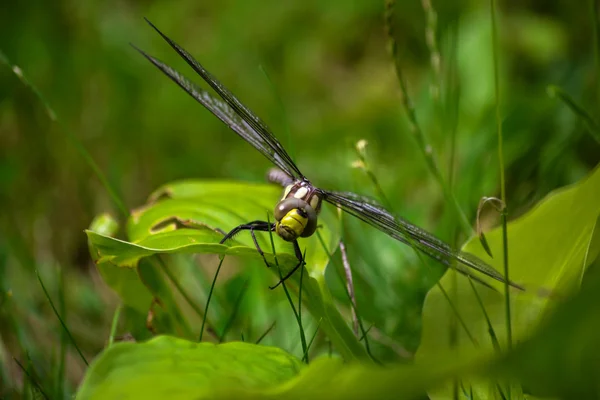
(287,293)
(236,307)
(269,329)
(352,304)
(506,286)
(415,129)
(69,135)
(502,176)
(180,288)
(71,338)
(115,323)
(212,288)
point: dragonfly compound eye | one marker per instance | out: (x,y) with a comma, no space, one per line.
(295,218)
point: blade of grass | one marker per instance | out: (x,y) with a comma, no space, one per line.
(236,307)
(71,338)
(427,152)
(179,288)
(31,379)
(212,288)
(349,285)
(591,124)
(287,294)
(415,129)
(452,99)
(352,305)
(593,235)
(114,324)
(269,329)
(491,330)
(363,336)
(305,358)
(434,53)
(312,339)
(365,167)
(504,211)
(68,134)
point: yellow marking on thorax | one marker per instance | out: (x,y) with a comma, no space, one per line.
(314,202)
(287,190)
(300,193)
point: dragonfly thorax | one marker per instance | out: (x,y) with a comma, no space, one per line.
(296,213)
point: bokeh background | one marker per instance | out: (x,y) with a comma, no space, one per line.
(321,75)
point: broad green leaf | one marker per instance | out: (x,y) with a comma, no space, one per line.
(211,206)
(166,367)
(547,249)
(127,283)
(562,359)
(175,368)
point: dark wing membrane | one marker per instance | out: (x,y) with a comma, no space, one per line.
(245,122)
(370,212)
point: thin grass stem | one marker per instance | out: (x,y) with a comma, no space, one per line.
(114,324)
(236,307)
(305,358)
(587,251)
(503,215)
(212,288)
(31,379)
(180,289)
(590,123)
(287,293)
(312,339)
(352,305)
(387,204)
(415,129)
(366,333)
(68,134)
(349,285)
(71,338)
(434,52)
(491,330)
(269,329)
(425,148)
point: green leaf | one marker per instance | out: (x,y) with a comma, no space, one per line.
(209,205)
(547,254)
(562,358)
(166,367)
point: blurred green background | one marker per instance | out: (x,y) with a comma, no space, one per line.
(330,83)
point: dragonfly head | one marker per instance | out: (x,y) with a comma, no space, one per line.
(295,218)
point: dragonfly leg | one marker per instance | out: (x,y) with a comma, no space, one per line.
(300,258)
(260,226)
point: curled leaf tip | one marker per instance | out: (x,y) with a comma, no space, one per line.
(485,244)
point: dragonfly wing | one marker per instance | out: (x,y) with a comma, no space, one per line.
(245,123)
(375,215)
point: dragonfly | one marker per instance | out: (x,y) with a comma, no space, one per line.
(296,214)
